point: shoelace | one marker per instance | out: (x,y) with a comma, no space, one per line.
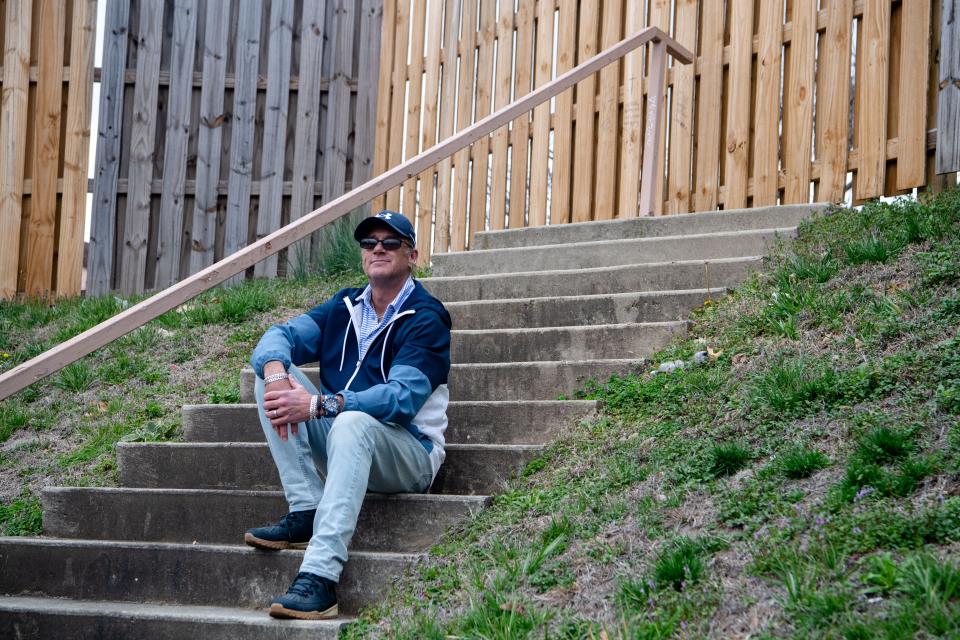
(305,585)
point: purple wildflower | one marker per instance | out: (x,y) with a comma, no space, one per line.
(863,493)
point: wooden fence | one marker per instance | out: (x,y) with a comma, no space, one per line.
(221,120)
(47,81)
(784,102)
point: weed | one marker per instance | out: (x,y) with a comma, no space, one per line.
(883,444)
(22,516)
(872,249)
(223,390)
(76,377)
(679,565)
(239,303)
(727,458)
(802,462)
(12,418)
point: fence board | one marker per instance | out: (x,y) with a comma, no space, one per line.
(13,120)
(948,101)
(398,88)
(914,43)
(136,222)
(388,33)
(337,133)
(170,239)
(461,161)
(543,68)
(738,106)
(501,137)
(429,136)
(211,122)
(681,112)
(766,135)
(872,84)
(76,149)
(242,126)
(368,65)
(307,127)
(480,150)
(520,129)
(632,119)
(585,144)
(275,127)
(448,81)
(605,194)
(833,112)
(38,257)
(100,257)
(709,100)
(563,114)
(798,101)
(418,18)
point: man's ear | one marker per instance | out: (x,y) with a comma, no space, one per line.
(413,258)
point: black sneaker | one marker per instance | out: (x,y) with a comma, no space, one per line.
(310,597)
(292,532)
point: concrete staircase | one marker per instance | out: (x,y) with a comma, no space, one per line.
(536,313)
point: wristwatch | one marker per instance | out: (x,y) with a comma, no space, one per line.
(331,407)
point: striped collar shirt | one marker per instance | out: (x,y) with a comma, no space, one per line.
(370,327)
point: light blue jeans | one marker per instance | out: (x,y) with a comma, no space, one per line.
(354,452)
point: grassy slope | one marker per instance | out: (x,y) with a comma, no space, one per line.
(806,483)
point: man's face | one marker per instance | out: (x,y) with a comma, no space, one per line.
(382,265)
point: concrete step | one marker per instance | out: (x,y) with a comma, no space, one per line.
(566,311)
(512,422)
(662,276)
(28,618)
(193,574)
(395,523)
(648,227)
(590,342)
(468,469)
(507,380)
(608,253)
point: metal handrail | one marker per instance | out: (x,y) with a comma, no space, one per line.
(54,359)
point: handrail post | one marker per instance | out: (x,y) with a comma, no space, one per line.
(652,167)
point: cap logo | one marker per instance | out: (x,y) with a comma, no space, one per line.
(384,215)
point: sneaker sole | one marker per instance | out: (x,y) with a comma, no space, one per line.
(279,611)
(271,545)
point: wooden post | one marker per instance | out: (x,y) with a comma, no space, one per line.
(652,168)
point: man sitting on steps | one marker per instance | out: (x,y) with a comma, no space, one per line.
(377,421)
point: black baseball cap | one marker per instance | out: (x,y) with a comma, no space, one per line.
(392,219)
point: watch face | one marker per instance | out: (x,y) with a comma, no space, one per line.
(330,405)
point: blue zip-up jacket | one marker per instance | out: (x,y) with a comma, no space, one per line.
(402,379)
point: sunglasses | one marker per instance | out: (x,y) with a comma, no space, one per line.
(389,244)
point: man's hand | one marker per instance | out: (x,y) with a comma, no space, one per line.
(287,403)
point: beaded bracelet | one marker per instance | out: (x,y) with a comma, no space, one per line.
(313,406)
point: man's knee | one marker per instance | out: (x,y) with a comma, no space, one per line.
(351,429)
